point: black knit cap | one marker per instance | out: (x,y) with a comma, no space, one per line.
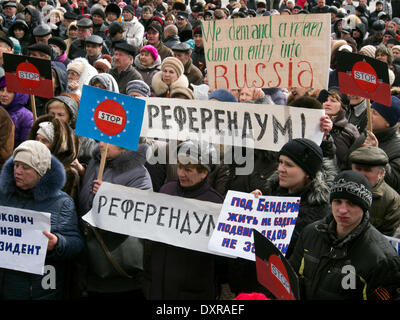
(305,153)
(353,186)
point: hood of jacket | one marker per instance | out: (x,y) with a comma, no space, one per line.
(317,192)
(62,79)
(20,100)
(48,186)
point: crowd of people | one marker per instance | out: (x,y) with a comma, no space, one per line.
(349,184)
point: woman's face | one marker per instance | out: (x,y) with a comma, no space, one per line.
(6,97)
(396,53)
(169,75)
(99,85)
(58,110)
(73,33)
(72,75)
(291,176)
(146,58)
(19,33)
(25,176)
(332,106)
(43,140)
(28,17)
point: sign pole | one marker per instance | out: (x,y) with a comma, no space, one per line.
(369,126)
(102,162)
(33,105)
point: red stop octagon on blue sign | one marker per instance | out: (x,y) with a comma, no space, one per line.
(110,117)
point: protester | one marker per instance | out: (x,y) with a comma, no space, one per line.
(59,137)
(385,209)
(170,77)
(32,179)
(344,236)
(148,63)
(174,273)
(344,133)
(79,73)
(15,104)
(300,174)
(6,136)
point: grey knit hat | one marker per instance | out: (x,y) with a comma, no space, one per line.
(138,86)
(71,104)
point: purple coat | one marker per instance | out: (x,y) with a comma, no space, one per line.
(21,116)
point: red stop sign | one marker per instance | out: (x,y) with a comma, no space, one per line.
(110,117)
(365,76)
(28,75)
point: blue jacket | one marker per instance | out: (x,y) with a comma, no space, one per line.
(45,197)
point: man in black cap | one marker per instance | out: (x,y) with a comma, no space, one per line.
(197,9)
(41,51)
(154,33)
(69,17)
(343,256)
(184,27)
(77,48)
(8,14)
(123,70)
(371,161)
(59,46)
(183,51)
(93,47)
(98,18)
(42,33)
(134,30)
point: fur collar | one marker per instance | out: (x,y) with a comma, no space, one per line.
(161,88)
(48,187)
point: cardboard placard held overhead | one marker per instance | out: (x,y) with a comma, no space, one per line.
(268,52)
(363,76)
(110,117)
(28,75)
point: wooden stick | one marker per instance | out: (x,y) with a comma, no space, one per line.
(369,115)
(102,162)
(33,105)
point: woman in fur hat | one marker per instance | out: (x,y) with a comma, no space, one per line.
(58,136)
(171,76)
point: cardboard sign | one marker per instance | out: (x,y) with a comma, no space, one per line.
(363,76)
(241,213)
(268,52)
(266,127)
(273,270)
(110,117)
(23,246)
(181,222)
(28,75)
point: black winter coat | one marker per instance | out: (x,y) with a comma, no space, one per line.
(322,261)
